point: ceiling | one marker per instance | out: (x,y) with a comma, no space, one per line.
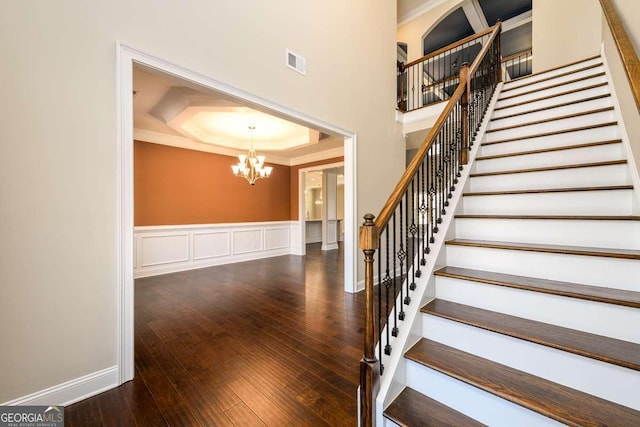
(175,112)
(474,16)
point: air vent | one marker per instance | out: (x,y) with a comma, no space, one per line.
(296,62)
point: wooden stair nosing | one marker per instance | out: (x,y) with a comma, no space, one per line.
(553,86)
(553,400)
(549,150)
(597,347)
(600,294)
(547,190)
(552,249)
(550,168)
(554,95)
(551,133)
(412,408)
(553,69)
(564,104)
(553,119)
(567,73)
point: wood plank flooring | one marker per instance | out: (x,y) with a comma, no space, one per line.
(273,342)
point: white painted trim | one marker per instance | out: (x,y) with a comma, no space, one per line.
(517,21)
(631,163)
(186,143)
(186,255)
(419,11)
(71,391)
(126,56)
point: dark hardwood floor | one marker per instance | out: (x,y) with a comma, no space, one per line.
(270,342)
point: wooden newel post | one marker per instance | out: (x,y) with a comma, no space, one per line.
(369,365)
(464,101)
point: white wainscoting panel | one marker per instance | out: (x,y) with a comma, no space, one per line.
(314,231)
(167,249)
(211,245)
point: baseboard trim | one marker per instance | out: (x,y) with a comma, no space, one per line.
(71,391)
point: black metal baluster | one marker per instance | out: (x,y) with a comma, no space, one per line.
(387,285)
(394,331)
(380,305)
(414,241)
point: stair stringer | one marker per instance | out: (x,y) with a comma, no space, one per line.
(394,378)
(631,164)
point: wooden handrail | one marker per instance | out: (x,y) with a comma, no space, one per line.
(403,184)
(626,51)
(449,47)
(515,55)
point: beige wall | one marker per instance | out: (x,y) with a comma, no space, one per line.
(58,150)
(412,32)
(564,31)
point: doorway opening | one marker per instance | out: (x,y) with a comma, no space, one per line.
(127,58)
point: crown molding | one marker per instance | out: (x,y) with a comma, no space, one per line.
(182,142)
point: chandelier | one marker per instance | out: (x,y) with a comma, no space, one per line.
(251,166)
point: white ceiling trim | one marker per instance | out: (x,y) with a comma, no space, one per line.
(517,21)
(475,15)
(420,10)
(186,143)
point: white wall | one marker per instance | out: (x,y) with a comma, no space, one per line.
(564,31)
(58,186)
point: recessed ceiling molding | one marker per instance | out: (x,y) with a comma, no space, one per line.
(221,122)
(186,143)
(420,10)
(517,21)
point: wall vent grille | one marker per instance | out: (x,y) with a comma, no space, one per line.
(296,62)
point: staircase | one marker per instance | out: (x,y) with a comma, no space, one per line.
(536,316)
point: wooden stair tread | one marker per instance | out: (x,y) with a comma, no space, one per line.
(551,133)
(548,190)
(412,408)
(548,70)
(563,404)
(555,249)
(551,107)
(553,119)
(549,150)
(567,73)
(556,217)
(568,82)
(610,350)
(550,168)
(554,95)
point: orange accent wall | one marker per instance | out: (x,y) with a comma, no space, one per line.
(294,181)
(177,186)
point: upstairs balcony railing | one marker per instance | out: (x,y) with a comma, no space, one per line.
(434,77)
(517,65)
(396,243)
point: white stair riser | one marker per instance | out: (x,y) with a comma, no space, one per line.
(589,316)
(471,401)
(600,134)
(583,94)
(559,178)
(509,91)
(552,126)
(598,234)
(605,380)
(597,153)
(507,100)
(589,270)
(618,202)
(543,75)
(580,107)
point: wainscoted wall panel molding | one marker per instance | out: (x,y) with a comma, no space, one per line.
(167,249)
